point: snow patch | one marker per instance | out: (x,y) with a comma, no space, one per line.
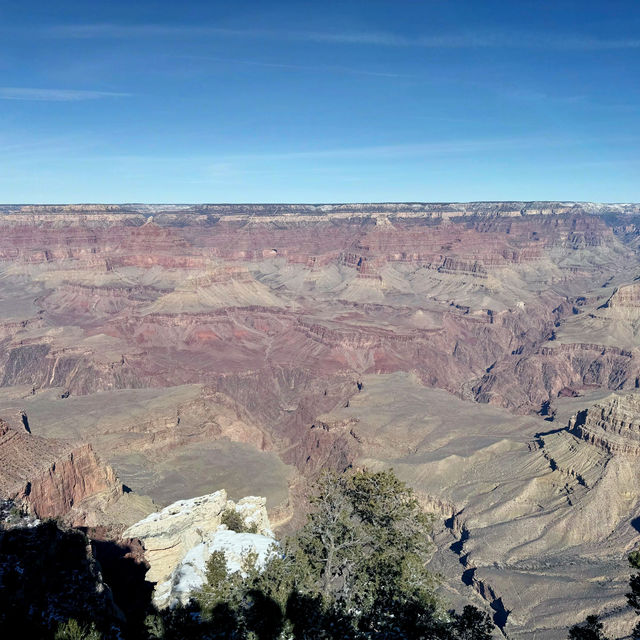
(190,574)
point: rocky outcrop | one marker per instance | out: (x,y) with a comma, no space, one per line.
(67,482)
(50,478)
(613,424)
(191,526)
(190,574)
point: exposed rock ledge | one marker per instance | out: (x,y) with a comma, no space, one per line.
(179,540)
(52,479)
(190,574)
(613,424)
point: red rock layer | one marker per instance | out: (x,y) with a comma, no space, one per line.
(69,480)
(50,476)
(304,354)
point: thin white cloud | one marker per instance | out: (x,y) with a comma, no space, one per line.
(55,95)
(524,40)
(460,40)
(300,67)
(444,147)
(465,147)
(119,31)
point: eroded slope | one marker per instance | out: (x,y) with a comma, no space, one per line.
(249,346)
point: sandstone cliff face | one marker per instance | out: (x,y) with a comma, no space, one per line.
(52,479)
(612,424)
(23,456)
(72,478)
(169,535)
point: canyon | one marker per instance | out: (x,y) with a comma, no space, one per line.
(488,352)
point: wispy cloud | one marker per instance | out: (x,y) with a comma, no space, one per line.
(300,67)
(461,40)
(55,95)
(524,40)
(527,94)
(221,162)
(118,31)
(20,145)
(444,147)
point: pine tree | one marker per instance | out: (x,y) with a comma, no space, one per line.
(73,630)
(357,570)
(591,629)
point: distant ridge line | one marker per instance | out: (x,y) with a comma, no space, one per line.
(497,208)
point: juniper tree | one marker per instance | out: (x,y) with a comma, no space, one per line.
(357,570)
(591,629)
(633,597)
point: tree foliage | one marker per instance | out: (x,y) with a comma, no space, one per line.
(591,629)
(472,624)
(235,522)
(356,570)
(73,630)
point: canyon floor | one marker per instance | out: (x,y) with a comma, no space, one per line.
(488,352)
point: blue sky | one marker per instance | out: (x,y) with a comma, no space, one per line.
(273,101)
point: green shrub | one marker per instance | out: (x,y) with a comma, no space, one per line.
(73,630)
(235,522)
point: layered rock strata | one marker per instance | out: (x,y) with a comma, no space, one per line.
(190,343)
(613,424)
(53,479)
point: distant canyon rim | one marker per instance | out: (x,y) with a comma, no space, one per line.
(489,352)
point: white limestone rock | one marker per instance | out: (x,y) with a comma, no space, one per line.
(190,574)
(168,535)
